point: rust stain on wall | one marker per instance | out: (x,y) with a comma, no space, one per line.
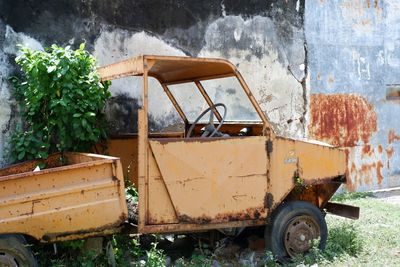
(376,4)
(379,166)
(389,153)
(349,183)
(341,119)
(365,175)
(392,136)
(365,167)
(367,150)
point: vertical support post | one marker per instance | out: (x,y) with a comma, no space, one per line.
(267,130)
(143,153)
(208,100)
(175,103)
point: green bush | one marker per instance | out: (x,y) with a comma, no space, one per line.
(61,100)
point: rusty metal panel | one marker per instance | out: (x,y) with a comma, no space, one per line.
(160,209)
(214,180)
(302,162)
(126,148)
(53,204)
(316,161)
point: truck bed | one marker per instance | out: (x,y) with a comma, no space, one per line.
(79,196)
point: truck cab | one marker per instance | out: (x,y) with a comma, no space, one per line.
(226,167)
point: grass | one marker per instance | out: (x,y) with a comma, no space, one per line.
(373,240)
(377,240)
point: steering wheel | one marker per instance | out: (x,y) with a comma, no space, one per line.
(210,129)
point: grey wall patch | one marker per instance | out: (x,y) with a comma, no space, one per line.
(256,48)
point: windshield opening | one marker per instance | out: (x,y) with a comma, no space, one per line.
(190,100)
(227,91)
(230,92)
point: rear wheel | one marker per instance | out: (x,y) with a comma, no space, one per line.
(14,252)
(293,227)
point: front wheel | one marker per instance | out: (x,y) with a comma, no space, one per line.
(14,252)
(293,227)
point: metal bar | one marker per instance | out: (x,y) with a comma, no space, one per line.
(190,227)
(129,67)
(201,79)
(175,103)
(94,233)
(142,154)
(343,210)
(208,100)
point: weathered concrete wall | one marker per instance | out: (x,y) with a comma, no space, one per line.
(262,38)
(354,59)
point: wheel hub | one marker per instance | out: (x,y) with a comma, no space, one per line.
(8,260)
(299,233)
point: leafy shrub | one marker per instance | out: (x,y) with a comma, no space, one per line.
(61,100)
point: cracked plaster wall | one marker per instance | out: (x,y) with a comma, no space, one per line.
(262,38)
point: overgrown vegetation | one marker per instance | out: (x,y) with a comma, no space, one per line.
(61,102)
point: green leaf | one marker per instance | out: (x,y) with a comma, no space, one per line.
(82,46)
(50,69)
(90,114)
(21,155)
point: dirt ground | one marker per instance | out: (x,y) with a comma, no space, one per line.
(389,195)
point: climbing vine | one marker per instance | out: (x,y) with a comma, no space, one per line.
(61,101)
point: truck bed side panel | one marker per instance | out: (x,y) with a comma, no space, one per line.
(53,204)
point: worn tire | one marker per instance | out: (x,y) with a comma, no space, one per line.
(292,226)
(15,252)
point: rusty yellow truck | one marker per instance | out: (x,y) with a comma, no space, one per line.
(219,172)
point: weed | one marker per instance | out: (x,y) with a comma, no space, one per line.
(131,191)
(343,239)
(126,249)
(69,253)
(197,260)
(155,257)
(269,259)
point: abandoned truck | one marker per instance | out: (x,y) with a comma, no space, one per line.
(226,169)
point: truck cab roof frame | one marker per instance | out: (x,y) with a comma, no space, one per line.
(170,70)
